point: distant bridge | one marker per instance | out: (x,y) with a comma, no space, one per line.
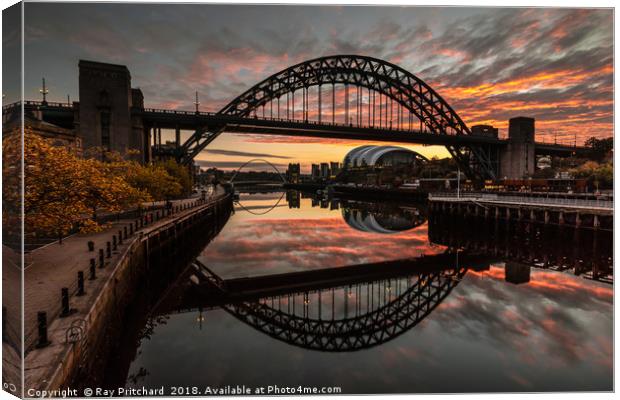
(342,96)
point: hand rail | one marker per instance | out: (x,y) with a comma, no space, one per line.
(525,200)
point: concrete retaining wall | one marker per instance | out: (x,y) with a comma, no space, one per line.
(81,343)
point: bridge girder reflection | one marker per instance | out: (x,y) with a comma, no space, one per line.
(338,309)
(371,327)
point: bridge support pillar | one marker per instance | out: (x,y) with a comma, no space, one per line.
(517,159)
(596,223)
(577,220)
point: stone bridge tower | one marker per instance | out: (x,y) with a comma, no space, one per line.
(105,109)
(518,159)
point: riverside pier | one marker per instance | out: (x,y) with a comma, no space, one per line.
(573,212)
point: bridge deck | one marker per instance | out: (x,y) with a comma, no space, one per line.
(254,287)
(190,120)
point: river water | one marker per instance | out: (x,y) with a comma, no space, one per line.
(515,317)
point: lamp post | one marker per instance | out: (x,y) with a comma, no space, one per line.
(44,92)
(197,103)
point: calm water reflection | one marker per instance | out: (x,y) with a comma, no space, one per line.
(459,329)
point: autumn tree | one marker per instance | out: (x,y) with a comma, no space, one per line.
(598,175)
(180,173)
(61,189)
(151,179)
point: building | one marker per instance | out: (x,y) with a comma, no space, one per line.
(316,172)
(517,157)
(325,170)
(380,156)
(57,135)
(381,165)
(485,130)
(293,173)
(104,117)
(334,167)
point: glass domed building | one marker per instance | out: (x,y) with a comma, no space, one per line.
(371,156)
(381,165)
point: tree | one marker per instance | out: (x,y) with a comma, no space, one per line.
(151,179)
(598,175)
(180,173)
(61,190)
(599,148)
(154,180)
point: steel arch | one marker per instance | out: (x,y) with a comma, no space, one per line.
(351,334)
(381,76)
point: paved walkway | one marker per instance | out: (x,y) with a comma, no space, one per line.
(50,268)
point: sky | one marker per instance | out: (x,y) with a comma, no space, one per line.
(490,64)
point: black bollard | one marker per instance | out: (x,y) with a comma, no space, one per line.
(124,232)
(130,229)
(91,245)
(120,237)
(81,291)
(42,328)
(101,262)
(113,242)
(93,274)
(64,300)
(108,250)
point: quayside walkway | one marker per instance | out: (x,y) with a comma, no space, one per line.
(55,266)
(578,213)
(552,202)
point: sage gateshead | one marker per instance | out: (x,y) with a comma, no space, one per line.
(381,156)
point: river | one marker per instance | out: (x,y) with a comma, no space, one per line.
(515,317)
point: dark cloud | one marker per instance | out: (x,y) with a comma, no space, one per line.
(174,50)
(239,164)
(243,153)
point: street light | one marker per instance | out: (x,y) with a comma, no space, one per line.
(197,103)
(44,92)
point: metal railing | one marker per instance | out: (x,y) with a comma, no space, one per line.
(525,200)
(388,126)
(31,103)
